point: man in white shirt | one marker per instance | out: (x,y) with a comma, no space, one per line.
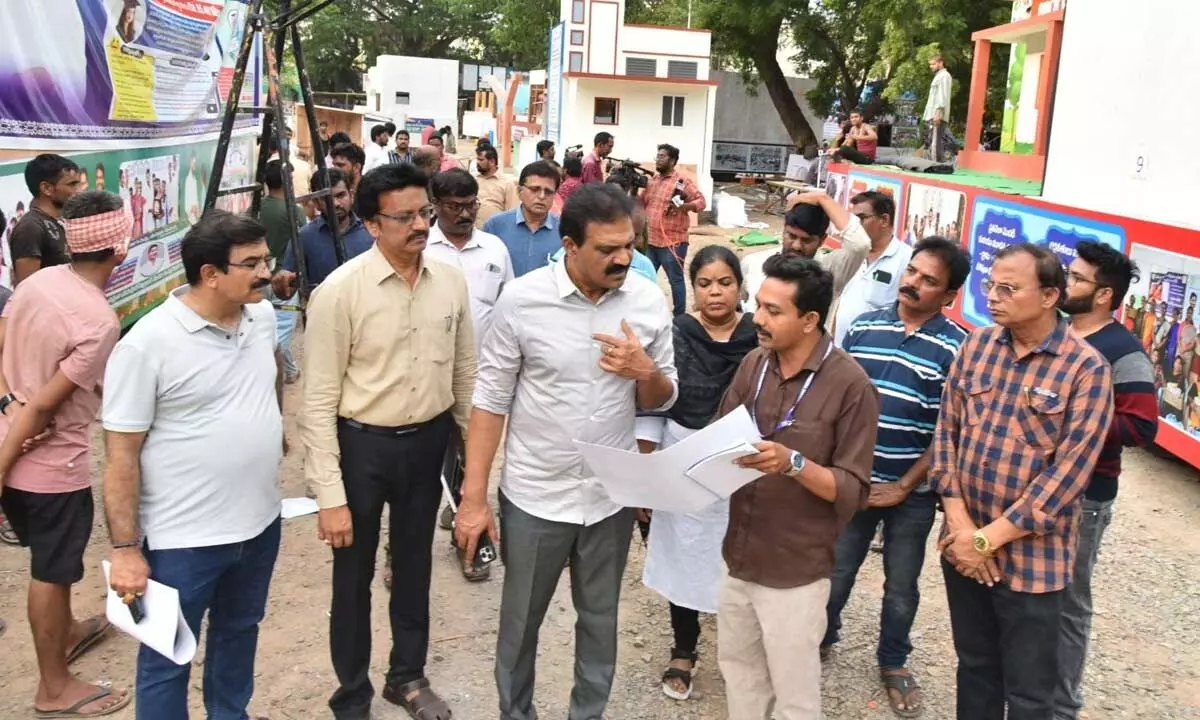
(576,349)
(483,259)
(937,112)
(377,150)
(810,217)
(876,282)
(194,504)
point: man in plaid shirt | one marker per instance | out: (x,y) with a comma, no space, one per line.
(1024,415)
(669,220)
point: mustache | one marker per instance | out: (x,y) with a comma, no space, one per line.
(910,291)
(260,284)
(762,331)
(420,235)
(616,270)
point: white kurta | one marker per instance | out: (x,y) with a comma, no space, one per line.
(683,560)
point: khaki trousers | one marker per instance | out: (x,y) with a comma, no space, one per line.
(768,647)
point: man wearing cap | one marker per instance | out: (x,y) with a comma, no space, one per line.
(57,332)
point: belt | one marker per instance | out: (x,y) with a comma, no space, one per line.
(389,431)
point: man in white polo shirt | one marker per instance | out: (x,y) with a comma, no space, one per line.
(195,503)
(485,262)
(877,283)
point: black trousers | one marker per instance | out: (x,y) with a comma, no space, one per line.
(1007,646)
(401,470)
(685,623)
(853,155)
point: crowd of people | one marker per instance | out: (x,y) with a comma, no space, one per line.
(471,310)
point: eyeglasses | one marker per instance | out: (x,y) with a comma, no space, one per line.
(255,264)
(1074,278)
(407,218)
(540,192)
(454,208)
(864,217)
(1003,290)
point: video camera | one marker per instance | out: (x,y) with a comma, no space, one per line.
(630,175)
(575,151)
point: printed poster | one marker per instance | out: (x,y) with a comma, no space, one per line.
(861,182)
(932,210)
(78,73)
(996,224)
(163,188)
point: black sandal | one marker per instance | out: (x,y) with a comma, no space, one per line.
(683,676)
(425,705)
(903,682)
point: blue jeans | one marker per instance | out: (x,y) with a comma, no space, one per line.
(1076,626)
(285,328)
(905,529)
(671,259)
(230,583)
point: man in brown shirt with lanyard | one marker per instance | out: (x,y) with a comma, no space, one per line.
(390,367)
(817,411)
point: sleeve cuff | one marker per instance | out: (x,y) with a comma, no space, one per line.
(1022,515)
(330,495)
(850,497)
(942,486)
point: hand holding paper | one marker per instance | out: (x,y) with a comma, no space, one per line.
(163,629)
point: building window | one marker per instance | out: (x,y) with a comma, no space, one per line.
(402,98)
(644,67)
(672,115)
(577,11)
(682,69)
(606,111)
(576,63)
(576,37)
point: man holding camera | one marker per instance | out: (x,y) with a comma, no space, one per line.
(670,198)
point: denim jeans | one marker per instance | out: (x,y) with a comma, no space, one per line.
(285,328)
(1077,610)
(672,259)
(230,583)
(905,530)
(1007,647)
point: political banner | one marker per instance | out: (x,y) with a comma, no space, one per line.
(932,210)
(861,182)
(996,224)
(81,74)
(163,188)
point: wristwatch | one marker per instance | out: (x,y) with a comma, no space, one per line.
(5,401)
(798,463)
(982,545)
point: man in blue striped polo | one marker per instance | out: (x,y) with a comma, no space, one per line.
(906,350)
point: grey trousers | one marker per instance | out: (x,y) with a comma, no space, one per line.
(534,552)
(1076,624)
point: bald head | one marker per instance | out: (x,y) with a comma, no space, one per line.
(427,159)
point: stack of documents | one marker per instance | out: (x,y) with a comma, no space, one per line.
(688,476)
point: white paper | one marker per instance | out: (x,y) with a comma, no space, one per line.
(686,477)
(298,507)
(163,630)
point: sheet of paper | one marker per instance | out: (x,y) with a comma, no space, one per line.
(298,507)
(719,474)
(163,629)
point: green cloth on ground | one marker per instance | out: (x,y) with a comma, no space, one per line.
(273,215)
(754,238)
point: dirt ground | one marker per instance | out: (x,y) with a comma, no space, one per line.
(1146,641)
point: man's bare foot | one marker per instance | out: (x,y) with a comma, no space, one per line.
(106,698)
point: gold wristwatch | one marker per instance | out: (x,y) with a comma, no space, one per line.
(982,545)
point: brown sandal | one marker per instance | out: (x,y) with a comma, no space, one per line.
(424,705)
(903,682)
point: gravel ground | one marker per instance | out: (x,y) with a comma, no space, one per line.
(1145,661)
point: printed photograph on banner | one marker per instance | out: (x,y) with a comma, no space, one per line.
(836,185)
(1161,310)
(150,189)
(861,182)
(932,210)
(996,224)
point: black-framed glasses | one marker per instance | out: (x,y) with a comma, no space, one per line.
(539,191)
(255,264)
(864,217)
(1074,278)
(458,208)
(407,218)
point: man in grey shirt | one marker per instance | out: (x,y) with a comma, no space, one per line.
(576,349)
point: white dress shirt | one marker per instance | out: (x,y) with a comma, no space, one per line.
(874,287)
(540,366)
(484,262)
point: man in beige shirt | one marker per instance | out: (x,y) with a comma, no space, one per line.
(390,367)
(496,193)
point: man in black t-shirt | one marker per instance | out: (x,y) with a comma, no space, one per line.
(38,239)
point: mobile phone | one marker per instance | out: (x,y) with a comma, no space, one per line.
(137,610)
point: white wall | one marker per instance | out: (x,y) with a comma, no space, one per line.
(666,44)
(432,85)
(1125,91)
(640,131)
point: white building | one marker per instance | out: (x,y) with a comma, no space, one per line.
(404,87)
(645,85)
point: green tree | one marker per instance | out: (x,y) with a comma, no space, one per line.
(519,37)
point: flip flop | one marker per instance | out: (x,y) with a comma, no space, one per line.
(74,711)
(98,625)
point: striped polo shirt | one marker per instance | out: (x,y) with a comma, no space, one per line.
(909,371)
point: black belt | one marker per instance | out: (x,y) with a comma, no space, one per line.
(389,431)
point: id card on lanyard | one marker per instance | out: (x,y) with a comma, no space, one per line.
(789,418)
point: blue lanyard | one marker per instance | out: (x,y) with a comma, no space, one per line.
(788,419)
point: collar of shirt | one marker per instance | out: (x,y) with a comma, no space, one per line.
(893,247)
(191,320)
(437,237)
(566,286)
(816,358)
(1053,344)
(551,220)
(379,269)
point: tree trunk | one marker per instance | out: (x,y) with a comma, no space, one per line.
(771,75)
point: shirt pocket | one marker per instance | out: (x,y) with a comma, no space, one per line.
(980,396)
(438,335)
(1040,418)
(814,439)
(489,285)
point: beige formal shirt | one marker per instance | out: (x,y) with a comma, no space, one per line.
(496,194)
(382,353)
